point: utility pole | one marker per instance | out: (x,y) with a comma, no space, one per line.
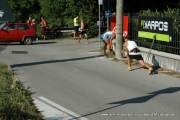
(100,2)
(108,18)
(119,26)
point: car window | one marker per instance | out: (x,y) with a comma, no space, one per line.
(10,27)
(2,24)
(23,27)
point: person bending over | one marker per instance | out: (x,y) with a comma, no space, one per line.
(134,53)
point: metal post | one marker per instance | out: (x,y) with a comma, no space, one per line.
(99,26)
(108,18)
(148,55)
(107,23)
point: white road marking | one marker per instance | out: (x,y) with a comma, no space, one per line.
(63,109)
(49,112)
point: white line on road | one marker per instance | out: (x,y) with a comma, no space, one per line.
(63,109)
(49,112)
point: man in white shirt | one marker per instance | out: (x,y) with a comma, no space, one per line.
(134,53)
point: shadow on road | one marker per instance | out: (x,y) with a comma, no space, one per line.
(142,99)
(33,43)
(53,61)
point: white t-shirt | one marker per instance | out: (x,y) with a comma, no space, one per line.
(131,46)
(106,35)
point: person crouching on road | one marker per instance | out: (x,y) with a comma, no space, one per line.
(106,40)
(134,53)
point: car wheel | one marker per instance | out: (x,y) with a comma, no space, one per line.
(27,40)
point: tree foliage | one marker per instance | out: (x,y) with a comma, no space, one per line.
(60,13)
(23,8)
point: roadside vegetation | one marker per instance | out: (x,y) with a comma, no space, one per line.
(60,13)
(15,100)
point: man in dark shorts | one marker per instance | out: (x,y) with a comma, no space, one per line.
(76,22)
(134,53)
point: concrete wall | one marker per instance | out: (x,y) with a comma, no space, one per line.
(161,59)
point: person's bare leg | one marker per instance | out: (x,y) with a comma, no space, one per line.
(79,37)
(74,34)
(109,47)
(146,65)
(105,47)
(43,37)
(129,63)
(87,41)
(111,39)
(76,37)
(107,44)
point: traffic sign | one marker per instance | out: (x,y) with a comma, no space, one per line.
(107,14)
(100,2)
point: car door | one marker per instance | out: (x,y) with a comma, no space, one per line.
(23,30)
(9,32)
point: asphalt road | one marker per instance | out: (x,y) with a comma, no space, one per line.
(68,81)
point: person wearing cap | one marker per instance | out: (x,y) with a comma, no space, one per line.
(134,53)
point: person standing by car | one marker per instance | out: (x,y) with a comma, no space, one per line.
(29,20)
(33,24)
(43,28)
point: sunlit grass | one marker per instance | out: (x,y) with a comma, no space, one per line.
(15,100)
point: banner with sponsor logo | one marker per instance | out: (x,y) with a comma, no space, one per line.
(148,27)
(5,12)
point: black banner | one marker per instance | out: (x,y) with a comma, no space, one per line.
(162,25)
(148,27)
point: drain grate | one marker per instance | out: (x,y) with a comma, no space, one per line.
(19,52)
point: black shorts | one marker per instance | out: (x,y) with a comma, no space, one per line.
(137,57)
(76,28)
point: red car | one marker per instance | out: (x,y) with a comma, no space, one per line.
(17,32)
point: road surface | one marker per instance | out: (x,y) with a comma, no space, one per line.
(68,81)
